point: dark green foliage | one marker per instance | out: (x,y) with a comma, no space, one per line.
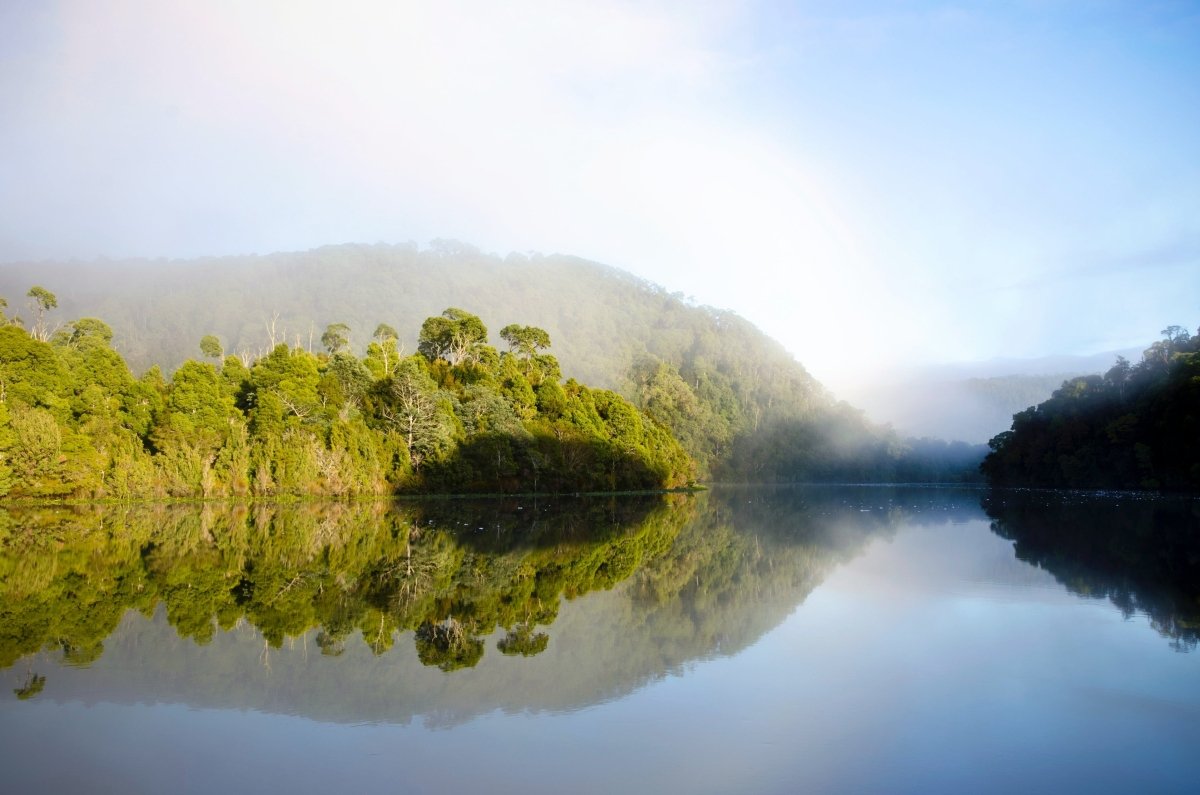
(524,641)
(448,646)
(1137,427)
(1141,554)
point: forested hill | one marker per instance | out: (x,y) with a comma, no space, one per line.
(1135,427)
(599,317)
(739,402)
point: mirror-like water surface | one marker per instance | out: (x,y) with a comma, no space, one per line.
(743,640)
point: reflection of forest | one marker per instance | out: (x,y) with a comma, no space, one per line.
(1141,552)
(456,569)
(293,608)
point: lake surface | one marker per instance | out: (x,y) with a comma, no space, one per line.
(769,640)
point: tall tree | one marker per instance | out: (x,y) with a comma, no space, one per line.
(456,336)
(386,340)
(41,301)
(525,341)
(210,346)
(336,337)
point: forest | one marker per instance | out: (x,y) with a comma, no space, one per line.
(741,406)
(456,416)
(1135,427)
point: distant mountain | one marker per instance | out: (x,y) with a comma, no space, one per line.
(739,402)
(972,401)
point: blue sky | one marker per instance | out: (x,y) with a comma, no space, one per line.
(871,183)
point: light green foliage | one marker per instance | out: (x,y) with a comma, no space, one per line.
(330,566)
(198,409)
(77,424)
(336,337)
(31,372)
(284,384)
(383,352)
(456,336)
(525,341)
(210,346)
(41,301)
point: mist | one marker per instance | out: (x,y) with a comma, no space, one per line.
(871,186)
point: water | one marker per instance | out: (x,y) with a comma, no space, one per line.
(745,640)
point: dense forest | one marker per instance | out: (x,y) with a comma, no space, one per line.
(1135,427)
(741,405)
(457,416)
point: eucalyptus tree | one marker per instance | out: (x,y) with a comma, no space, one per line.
(456,336)
(210,346)
(384,349)
(41,301)
(525,341)
(336,337)
(410,404)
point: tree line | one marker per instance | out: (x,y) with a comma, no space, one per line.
(456,416)
(1135,427)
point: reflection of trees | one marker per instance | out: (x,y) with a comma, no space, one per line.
(750,557)
(450,572)
(523,640)
(1141,553)
(695,577)
(31,687)
(448,645)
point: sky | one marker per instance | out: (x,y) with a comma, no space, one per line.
(871,183)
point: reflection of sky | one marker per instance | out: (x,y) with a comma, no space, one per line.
(933,662)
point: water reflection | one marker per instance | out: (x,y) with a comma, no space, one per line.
(698,576)
(445,610)
(449,572)
(1141,552)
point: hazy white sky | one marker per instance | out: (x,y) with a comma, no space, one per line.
(868,182)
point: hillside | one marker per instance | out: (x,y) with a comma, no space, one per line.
(740,403)
(1135,427)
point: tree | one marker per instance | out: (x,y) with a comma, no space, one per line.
(41,301)
(89,330)
(410,405)
(456,336)
(1176,338)
(525,341)
(336,337)
(384,348)
(447,645)
(211,346)
(524,641)
(385,332)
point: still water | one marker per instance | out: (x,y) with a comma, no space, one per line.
(743,640)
